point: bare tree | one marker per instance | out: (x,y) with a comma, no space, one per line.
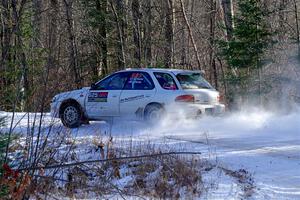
(212,59)
(135,9)
(168,28)
(228,13)
(190,34)
(119,13)
(101,7)
(36,22)
(297,26)
(148,33)
(73,55)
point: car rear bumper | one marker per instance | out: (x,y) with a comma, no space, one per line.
(212,109)
(195,110)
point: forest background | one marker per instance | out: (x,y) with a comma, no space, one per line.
(248,49)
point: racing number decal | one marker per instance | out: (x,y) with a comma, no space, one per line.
(97,97)
(136,78)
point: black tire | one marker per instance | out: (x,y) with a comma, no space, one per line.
(71,115)
(153,113)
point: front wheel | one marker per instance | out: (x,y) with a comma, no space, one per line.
(71,116)
(153,113)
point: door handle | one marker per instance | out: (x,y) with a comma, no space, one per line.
(114,96)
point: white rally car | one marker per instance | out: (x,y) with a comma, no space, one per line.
(139,94)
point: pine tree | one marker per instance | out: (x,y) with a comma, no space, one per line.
(250,38)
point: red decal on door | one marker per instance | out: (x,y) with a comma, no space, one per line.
(102,94)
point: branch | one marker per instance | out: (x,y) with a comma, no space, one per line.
(110,159)
(190,34)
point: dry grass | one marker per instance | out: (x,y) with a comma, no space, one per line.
(244,180)
(155,177)
(160,177)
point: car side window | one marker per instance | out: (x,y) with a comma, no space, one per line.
(139,81)
(113,82)
(166,81)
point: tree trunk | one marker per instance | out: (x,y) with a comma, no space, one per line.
(119,14)
(36,22)
(5,46)
(52,32)
(168,50)
(101,6)
(297,26)
(212,59)
(191,34)
(148,31)
(184,47)
(228,13)
(135,6)
(36,41)
(20,54)
(5,34)
(188,39)
(73,55)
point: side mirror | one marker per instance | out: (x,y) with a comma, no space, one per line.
(93,86)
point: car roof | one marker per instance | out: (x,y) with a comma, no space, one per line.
(174,71)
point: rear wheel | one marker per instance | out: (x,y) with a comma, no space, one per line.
(71,115)
(153,113)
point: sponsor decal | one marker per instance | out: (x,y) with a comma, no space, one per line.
(97,97)
(132,98)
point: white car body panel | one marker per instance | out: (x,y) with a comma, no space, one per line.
(132,102)
(102,104)
(204,96)
(77,95)
(109,107)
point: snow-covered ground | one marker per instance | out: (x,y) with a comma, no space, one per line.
(261,142)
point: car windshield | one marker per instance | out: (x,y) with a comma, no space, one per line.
(193,81)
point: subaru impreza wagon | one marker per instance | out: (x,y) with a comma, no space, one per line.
(144,94)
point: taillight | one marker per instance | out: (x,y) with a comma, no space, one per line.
(185,98)
(220,99)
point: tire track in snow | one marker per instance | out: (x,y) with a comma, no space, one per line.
(288,149)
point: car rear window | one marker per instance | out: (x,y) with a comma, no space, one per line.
(193,81)
(139,81)
(166,81)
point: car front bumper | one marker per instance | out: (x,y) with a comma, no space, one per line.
(54,109)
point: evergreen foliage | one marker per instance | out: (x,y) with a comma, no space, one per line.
(3,143)
(97,17)
(245,50)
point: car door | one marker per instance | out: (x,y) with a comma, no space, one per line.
(139,90)
(103,99)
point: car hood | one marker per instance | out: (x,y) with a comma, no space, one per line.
(204,96)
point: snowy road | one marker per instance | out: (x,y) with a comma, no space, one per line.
(265,144)
(275,165)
